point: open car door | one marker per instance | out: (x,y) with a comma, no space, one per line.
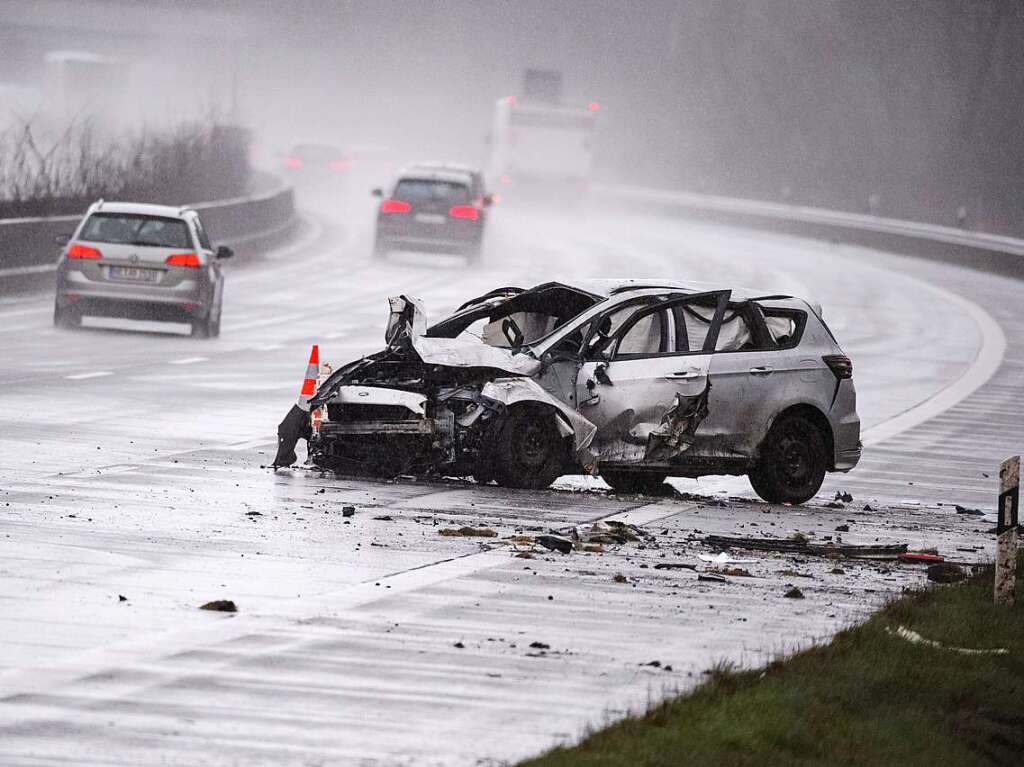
(644,379)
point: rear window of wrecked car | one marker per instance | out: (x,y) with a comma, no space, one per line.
(429,190)
(785,326)
(138,230)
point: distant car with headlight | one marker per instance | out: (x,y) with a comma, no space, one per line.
(634,381)
(433,208)
(143,262)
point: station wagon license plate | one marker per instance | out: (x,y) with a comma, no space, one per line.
(133,274)
(430,218)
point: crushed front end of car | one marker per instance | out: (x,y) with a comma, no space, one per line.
(437,406)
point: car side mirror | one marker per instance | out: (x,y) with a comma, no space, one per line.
(488,200)
(378,192)
(62,239)
(225,252)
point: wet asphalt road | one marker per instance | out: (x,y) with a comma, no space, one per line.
(132,465)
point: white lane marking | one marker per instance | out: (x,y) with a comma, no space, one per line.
(188,360)
(83,376)
(984,366)
(250,444)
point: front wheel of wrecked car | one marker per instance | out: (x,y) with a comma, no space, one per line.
(529,452)
(634,481)
(793,462)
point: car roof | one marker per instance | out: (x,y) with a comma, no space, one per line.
(617,286)
(431,174)
(452,166)
(141,208)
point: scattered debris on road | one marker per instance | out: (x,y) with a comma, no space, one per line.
(802,546)
(794,593)
(348,511)
(467,532)
(555,543)
(220,606)
(620,578)
(972,512)
(674,566)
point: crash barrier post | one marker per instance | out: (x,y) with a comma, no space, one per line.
(1006,531)
(28,249)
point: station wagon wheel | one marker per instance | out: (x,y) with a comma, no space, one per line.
(528,451)
(793,462)
(634,481)
(66,318)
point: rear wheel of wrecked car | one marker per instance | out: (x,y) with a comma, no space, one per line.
(634,481)
(66,318)
(529,451)
(793,461)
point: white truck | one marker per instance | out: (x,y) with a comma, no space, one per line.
(538,145)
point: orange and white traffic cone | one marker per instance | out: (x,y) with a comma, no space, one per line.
(299,422)
(310,381)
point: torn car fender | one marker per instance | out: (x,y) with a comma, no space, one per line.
(509,391)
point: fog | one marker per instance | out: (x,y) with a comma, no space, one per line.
(903,109)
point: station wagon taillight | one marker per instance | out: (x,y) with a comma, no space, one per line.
(840,365)
(183,259)
(470,212)
(78,250)
(395,206)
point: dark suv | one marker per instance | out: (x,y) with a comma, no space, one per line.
(434,209)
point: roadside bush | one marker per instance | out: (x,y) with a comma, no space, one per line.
(191,163)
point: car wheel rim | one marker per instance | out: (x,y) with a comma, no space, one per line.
(532,446)
(793,461)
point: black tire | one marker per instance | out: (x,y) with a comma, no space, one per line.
(528,450)
(66,318)
(634,481)
(792,462)
(203,328)
(214,324)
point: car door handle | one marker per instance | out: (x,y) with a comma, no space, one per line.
(685,375)
(762,370)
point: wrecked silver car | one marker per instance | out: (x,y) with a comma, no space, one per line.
(633,381)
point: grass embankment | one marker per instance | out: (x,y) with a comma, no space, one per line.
(867,698)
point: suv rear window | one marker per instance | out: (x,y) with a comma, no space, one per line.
(138,230)
(425,190)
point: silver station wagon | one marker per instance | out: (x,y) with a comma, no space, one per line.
(634,381)
(144,262)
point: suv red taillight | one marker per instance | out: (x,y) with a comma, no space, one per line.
(840,365)
(183,259)
(77,250)
(395,206)
(470,212)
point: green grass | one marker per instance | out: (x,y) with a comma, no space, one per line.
(867,698)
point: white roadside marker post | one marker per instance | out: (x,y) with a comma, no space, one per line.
(1006,530)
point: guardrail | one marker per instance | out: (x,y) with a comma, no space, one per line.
(987,252)
(28,249)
